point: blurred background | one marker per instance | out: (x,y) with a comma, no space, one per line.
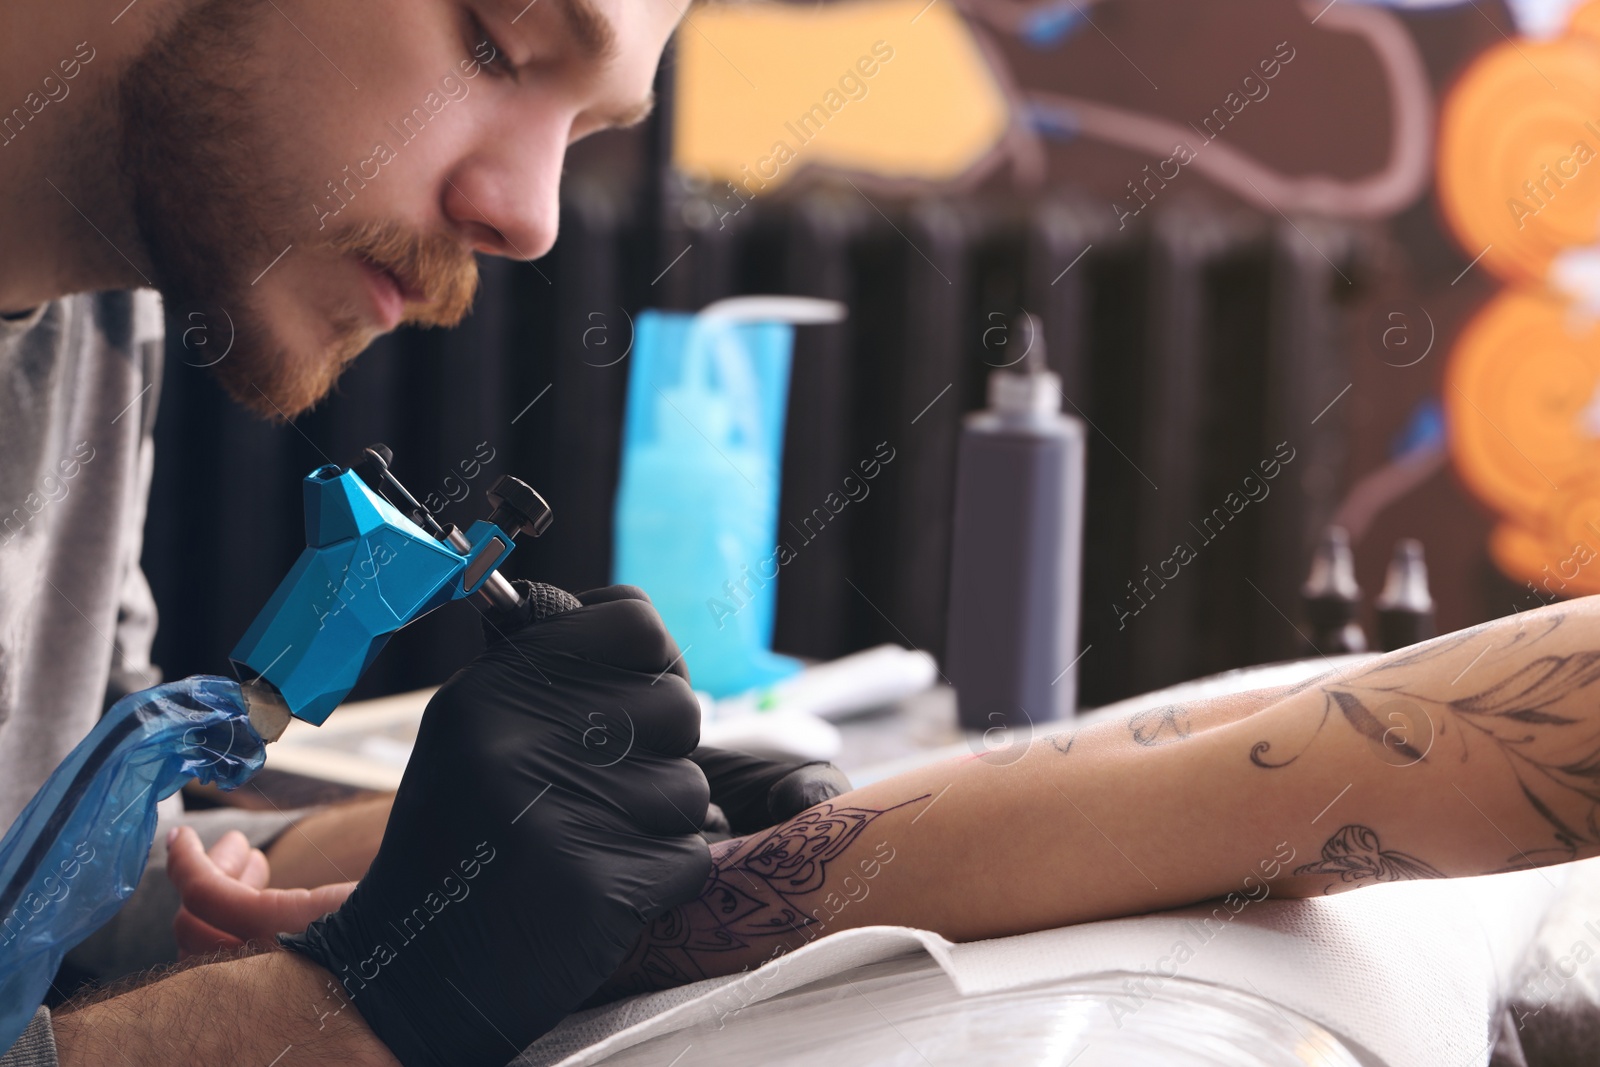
(1335,265)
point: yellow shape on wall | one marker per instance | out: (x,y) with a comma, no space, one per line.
(897,89)
(1585,21)
(1519,154)
(1522,400)
(1519,183)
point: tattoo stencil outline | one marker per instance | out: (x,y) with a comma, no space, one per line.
(750,892)
(1355,855)
(1554,756)
(1160,726)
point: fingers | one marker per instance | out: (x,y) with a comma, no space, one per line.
(681,875)
(196,938)
(231,856)
(603,716)
(716,826)
(230,853)
(302,906)
(662,796)
(613,592)
(235,907)
(208,891)
(624,633)
(740,782)
(235,858)
(663,717)
(755,793)
(257,872)
(188,863)
(805,788)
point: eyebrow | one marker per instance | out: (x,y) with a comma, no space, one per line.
(595,35)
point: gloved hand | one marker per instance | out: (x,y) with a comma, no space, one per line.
(548,814)
(749,793)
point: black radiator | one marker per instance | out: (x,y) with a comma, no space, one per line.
(1193,345)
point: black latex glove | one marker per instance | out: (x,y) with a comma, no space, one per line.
(749,793)
(542,823)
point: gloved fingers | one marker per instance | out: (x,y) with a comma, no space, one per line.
(679,871)
(658,795)
(483,712)
(740,781)
(716,827)
(663,718)
(609,736)
(607,594)
(805,787)
(684,796)
(626,634)
(755,792)
(629,887)
(646,794)
(614,720)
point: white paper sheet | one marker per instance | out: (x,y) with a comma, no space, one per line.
(1410,972)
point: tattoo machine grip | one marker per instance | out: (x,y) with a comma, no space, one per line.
(536,601)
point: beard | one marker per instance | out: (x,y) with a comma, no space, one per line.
(199,155)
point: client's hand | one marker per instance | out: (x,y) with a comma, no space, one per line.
(548,814)
(225,897)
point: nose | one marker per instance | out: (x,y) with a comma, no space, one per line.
(505,196)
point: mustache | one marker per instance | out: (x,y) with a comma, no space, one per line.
(437,267)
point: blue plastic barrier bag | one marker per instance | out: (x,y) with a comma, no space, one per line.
(697,507)
(78,849)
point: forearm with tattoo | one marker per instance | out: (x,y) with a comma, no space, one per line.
(1474,753)
(1536,716)
(767,894)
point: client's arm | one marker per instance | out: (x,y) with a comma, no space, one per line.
(1476,752)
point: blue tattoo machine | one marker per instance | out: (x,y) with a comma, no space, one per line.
(375,560)
(367,570)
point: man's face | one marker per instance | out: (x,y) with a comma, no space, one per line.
(319,173)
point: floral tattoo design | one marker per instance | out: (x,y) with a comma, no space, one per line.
(763,886)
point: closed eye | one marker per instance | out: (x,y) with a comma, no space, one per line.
(483,47)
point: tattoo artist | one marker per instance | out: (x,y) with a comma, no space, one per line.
(188,147)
